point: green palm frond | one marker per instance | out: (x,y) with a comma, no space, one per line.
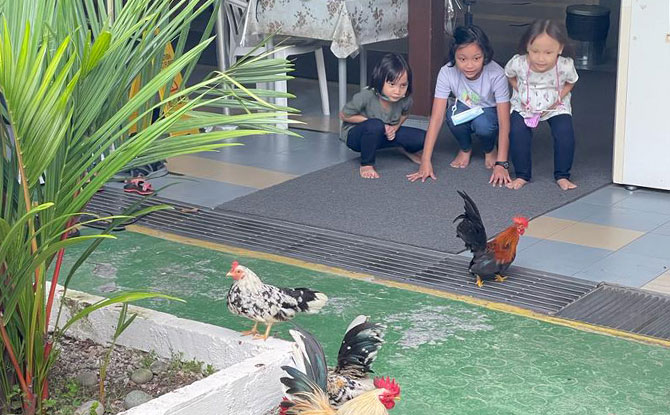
(67,69)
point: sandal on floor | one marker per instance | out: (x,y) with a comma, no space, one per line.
(138,185)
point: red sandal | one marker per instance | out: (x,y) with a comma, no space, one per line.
(138,185)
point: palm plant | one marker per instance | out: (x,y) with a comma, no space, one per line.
(66,67)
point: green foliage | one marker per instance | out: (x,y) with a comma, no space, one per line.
(66,69)
(67,401)
(177,363)
(148,359)
(209,370)
(122,324)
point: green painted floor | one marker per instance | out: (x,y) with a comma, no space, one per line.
(449,357)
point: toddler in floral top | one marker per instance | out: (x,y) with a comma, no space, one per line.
(542,80)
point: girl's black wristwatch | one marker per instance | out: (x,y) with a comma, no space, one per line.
(505,164)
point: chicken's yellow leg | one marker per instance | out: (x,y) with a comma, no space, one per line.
(267,333)
(254,330)
(479,282)
(500,278)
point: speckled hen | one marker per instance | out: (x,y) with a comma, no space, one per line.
(263,303)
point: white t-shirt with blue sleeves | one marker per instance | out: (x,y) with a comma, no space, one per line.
(489,89)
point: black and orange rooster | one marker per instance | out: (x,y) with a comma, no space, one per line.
(490,259)
(307,384)
(264,303)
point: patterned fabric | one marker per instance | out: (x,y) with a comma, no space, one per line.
(346,23)
(544,86)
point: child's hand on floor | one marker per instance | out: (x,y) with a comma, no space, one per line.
(425,171)
(499,176)
(390,131)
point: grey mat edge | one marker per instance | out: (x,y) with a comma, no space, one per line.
(538,291)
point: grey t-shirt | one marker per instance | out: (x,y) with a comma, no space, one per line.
(489,89)
(366,103)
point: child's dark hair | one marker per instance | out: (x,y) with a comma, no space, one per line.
(389,69)
(465,35)
(551,28)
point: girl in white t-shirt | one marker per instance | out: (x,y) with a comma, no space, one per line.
(542,80)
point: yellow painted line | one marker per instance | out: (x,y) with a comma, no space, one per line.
(492,305)
(222,171)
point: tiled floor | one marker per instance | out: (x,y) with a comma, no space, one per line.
(612,235)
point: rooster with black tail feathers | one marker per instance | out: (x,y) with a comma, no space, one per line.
(310,386)
(489,259)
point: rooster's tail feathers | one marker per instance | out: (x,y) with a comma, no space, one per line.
(309,358)
(360,345)
(471,210)
(306,383)
(471,229)
(309,301)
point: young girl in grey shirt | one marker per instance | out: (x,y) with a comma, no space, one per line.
(373,119)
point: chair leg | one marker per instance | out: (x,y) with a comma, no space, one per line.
(363,59)
(323,80)
(341,83)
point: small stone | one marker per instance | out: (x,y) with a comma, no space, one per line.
(141,376)
(135,398)
(87,378)
(158,367)
(86,409)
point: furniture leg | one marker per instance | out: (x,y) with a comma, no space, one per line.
(363,60)
(342,82)
(323,81)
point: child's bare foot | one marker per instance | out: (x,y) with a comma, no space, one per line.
(516,184)
(415,157)
(490,159)
(462,160)
(565,184)
(369,172)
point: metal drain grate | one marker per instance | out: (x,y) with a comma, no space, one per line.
(535,290)
(622,308)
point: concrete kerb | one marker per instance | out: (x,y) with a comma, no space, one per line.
(248,371)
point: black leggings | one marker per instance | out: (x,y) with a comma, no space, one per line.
(521,137)
(370,136)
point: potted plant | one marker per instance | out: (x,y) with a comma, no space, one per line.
(66,69)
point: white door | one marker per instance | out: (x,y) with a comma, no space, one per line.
(642,137)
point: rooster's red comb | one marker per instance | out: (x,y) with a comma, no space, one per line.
(388,384)
(234,265)
(284,406)
(520,220)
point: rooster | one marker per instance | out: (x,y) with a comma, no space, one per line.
(358,351)
(490,259)
(263,303)
(307,385)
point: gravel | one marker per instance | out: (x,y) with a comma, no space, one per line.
(77,357)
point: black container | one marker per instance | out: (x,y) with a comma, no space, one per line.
(588,26)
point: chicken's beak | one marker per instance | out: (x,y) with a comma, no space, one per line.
(229,274)
(397,398)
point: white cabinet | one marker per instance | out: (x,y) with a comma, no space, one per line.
(642,129)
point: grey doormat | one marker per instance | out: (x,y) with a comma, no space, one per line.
(420,214)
